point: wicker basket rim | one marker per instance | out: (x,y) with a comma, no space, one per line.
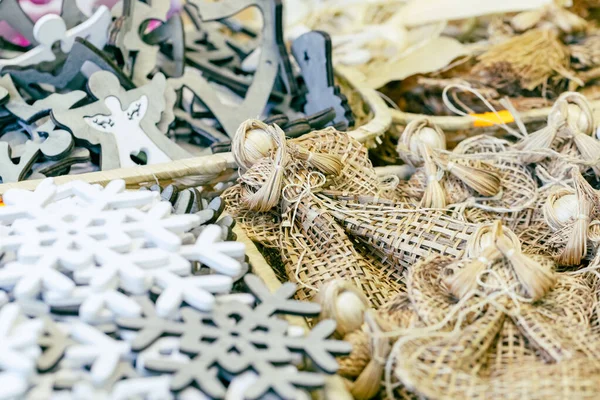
(457,123)
(215,164)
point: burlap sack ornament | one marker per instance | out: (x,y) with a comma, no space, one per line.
(488,316)
(478,173)
(276,202)
(399,234)
(567,139)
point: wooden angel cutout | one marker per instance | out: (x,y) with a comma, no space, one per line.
(128,120)
(122,123)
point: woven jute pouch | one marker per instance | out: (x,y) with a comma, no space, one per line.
(487,317)
(399,234)
(567,139)
(478,173)
(314,247)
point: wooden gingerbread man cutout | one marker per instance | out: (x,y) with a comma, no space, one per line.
(115,120)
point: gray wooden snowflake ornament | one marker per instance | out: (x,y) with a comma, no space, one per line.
(236,338)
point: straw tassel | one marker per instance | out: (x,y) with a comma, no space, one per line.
(464,280)
(589,148)
(535,278)
(576,247)
(482,253)
(327,163)
(484,182)
(434,195)
(368,383)
(538,140)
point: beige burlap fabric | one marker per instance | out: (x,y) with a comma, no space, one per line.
(500,339)
(314,247)
(399,234)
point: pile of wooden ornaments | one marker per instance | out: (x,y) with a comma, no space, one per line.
(100,88)
(114,294)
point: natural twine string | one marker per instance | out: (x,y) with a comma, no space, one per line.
(522,133)
(305,190)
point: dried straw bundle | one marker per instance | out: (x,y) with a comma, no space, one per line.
(554,14)
(533,59)
(517,312)
(587,52)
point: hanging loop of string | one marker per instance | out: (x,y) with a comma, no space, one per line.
(521,133)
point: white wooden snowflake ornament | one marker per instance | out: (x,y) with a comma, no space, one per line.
(100,300)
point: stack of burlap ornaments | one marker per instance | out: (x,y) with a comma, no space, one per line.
(482,266)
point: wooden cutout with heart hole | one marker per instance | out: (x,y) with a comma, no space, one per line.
(122,122)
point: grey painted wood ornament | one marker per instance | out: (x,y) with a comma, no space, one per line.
(17,106)
(312,52)
(52,29)
(229,337)
(259,92)
(13,14)
(58,144)
(129,40)
(82,52)
(122,122)
(71,13)
(171,33)
(63,165)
